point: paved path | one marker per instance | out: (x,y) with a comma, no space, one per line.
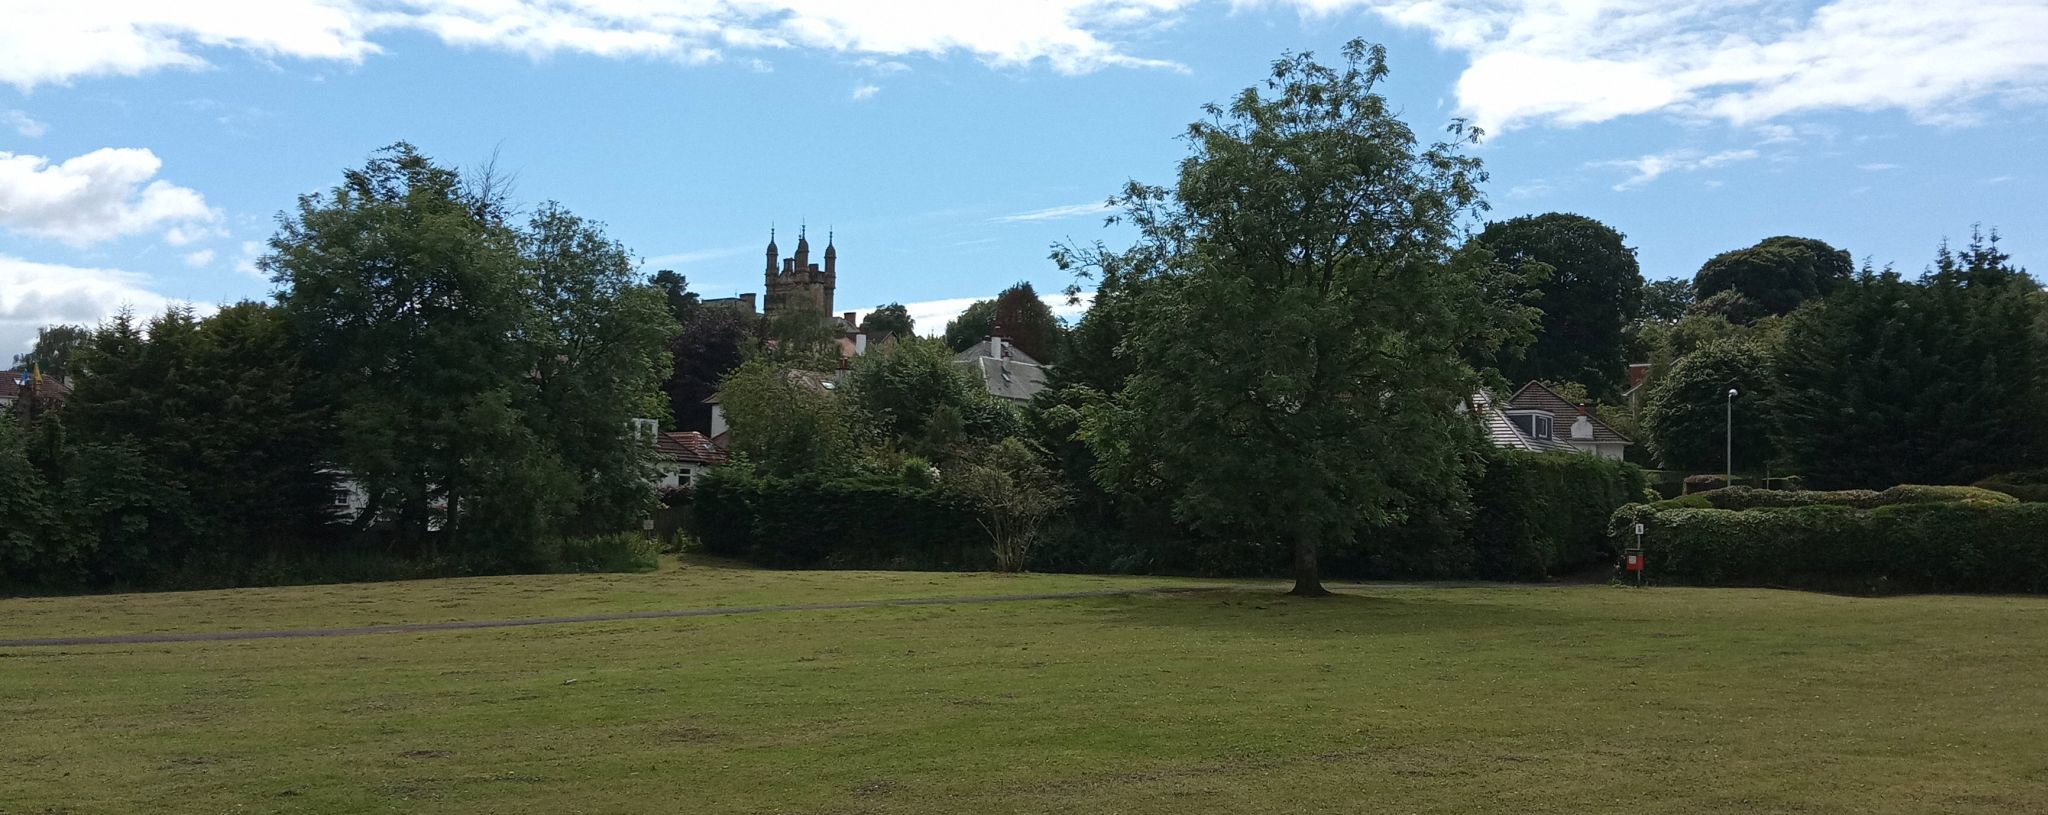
(463,625)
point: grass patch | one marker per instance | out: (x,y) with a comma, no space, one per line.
(1412,700)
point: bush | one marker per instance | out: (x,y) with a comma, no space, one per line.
(1541,514)
(1702,483)
(1739,498)
(1965,545)
(618,552)
(2026,485)
(844,523)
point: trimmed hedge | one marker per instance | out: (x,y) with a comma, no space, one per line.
(851,523)
(2027,485)
(1968,546)
(1753,498)
(1541,514)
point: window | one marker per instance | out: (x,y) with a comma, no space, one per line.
(1542,427)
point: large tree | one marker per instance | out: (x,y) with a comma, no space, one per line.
(1590,294)
(409,295)
(890,321)
(1022,317)
(1689,414)
(1298,343)
(55,346)
(1772,277)
(1939,381)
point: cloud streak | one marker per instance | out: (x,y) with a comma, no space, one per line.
(53,43)
(1650,167)
(1053,213)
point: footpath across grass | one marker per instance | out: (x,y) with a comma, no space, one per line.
(1519,700)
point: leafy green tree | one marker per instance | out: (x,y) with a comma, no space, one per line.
(676,294)
(1939,381)
(1666,301)
(1013,493)
(409,297)
(709,345)
(892,320)
(1309,221)
(25,535)
(1592,290)
(1027,322)
(972,326)
(786,422)
(600,346)
(55,346)
(1774,276)
(1686,417)
(901,389)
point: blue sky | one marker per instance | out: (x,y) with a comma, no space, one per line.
(146,148)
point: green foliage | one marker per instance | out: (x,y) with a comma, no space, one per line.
(913,394)
(615,552)
(1013,493)
(710,343)
(812,522)
(1774,276)
(54,349)
(890,321)
(1939,546)
(1687,416)
(1753,498)
(1589,288)
(1308,221)
(1024,319)
(1940,381)
(2026,485)
(972,326)
(1666,301)
(1542,514)
(786,423)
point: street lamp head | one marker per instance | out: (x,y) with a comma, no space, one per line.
(1732,393)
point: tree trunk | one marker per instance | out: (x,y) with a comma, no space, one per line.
(1308,577)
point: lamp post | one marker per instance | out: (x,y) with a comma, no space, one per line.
(1729,461)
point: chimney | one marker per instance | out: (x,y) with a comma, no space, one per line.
(747,302)
(849,319)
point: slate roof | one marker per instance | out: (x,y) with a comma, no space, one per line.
(1016,376)
(51,388)
(1535,396)
(688,446)
(1503,433)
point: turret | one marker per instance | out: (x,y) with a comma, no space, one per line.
(831,255)
(803,250)
(774,254)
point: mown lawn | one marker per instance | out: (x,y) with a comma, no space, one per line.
(1399,700)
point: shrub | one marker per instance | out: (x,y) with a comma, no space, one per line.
(1964,545)
(836,523)
(618,552)
(1740,498)
(2025,485)
(1702,483)
(1540,514)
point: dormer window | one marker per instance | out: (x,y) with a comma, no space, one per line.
(1533,423)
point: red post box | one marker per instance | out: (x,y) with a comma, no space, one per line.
(1633,562)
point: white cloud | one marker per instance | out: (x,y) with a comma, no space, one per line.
(865,92)
(1876,167)
(1648,168)
(23,124)
(1054,213)
(199,259)
(56,43)
(105,194)
(34,294)
(1743,61)
(246,261)
(931,316)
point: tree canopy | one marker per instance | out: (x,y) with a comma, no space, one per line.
(1589,289)
(1688,414)
(1308,220)
(890,321)
(1774,276)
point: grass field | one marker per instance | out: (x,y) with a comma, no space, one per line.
(1400,700)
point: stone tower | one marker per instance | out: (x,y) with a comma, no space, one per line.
(797,282)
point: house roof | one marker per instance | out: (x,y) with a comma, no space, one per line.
(981,350)
(689,447)
(1504,433)
(1014,376)
(11,389)
(1537,396)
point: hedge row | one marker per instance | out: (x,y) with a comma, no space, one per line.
(2030,485)
(1950,546)
(1542,514)
(856,523)
(1753,498)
